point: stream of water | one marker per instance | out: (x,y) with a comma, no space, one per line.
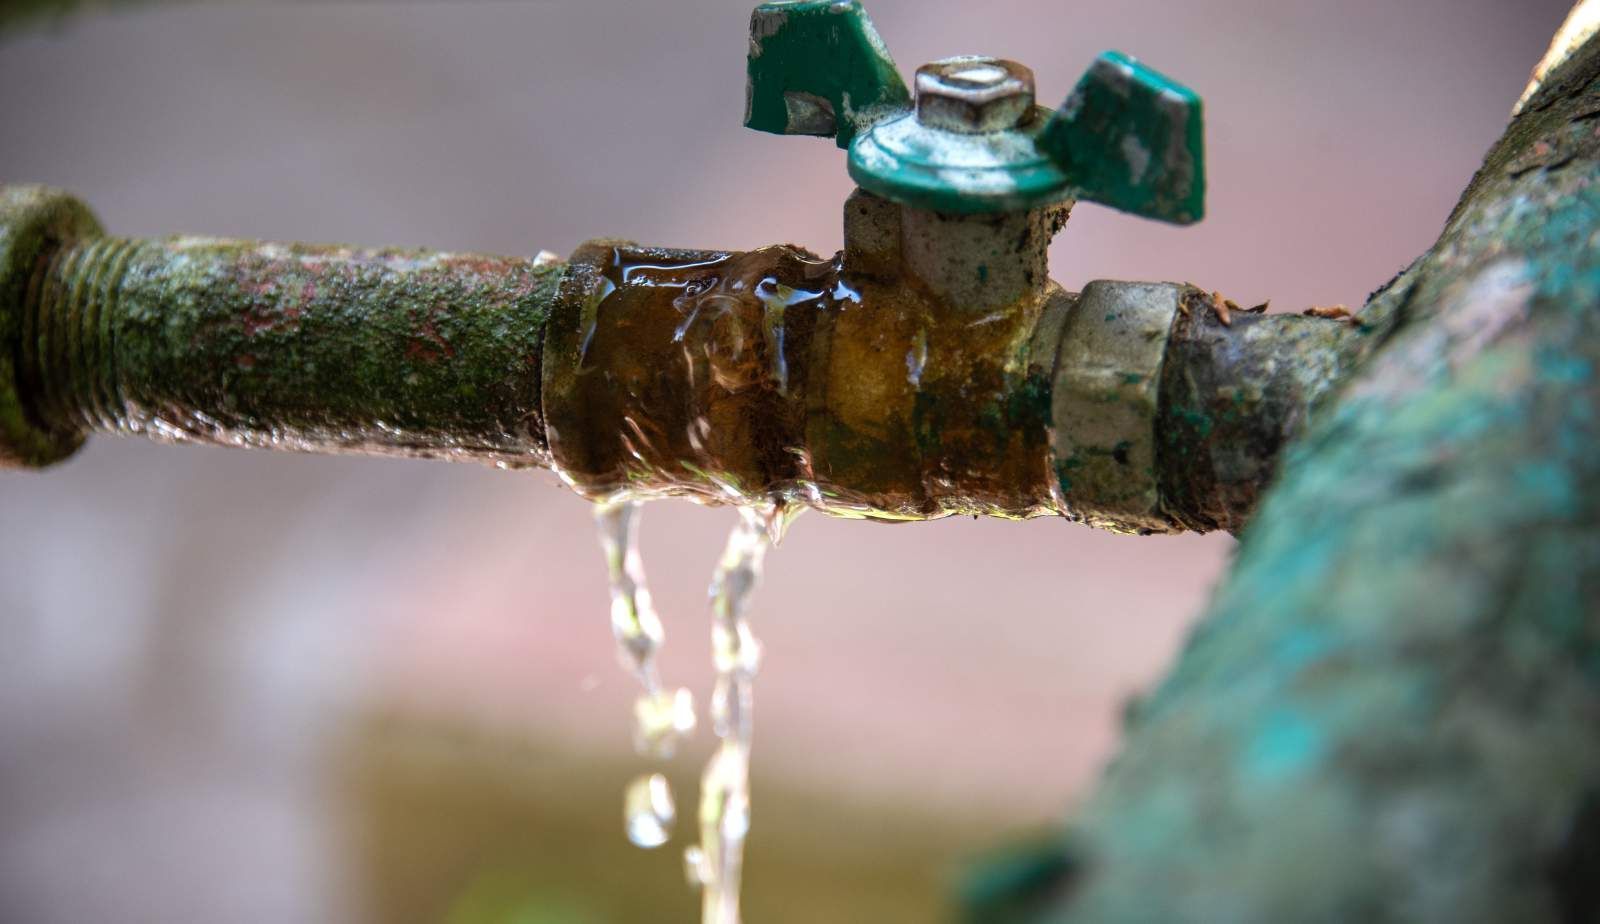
(663,716)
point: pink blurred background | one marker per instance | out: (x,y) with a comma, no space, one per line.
(193,636)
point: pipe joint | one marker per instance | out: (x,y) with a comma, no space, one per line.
(36,225)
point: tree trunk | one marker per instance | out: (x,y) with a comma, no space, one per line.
(1391,710)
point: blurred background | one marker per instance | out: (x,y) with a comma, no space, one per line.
(250,687)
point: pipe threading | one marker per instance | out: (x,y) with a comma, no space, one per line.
(289,346)
(68,324)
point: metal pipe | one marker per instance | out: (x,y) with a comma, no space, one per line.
(931,368)
(286,346)
(855,385)
(1234,394)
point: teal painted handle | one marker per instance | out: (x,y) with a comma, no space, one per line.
(1131,138)
(818,67)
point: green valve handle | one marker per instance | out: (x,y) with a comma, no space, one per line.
(1131,138)
(818,67)
(972,140)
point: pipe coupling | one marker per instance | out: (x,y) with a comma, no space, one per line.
(1105,395)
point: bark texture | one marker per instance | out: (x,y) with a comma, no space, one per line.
(1390,710)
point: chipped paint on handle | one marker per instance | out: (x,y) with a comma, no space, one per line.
(1132,138)
(818,67)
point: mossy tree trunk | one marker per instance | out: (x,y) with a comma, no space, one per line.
(1391,710)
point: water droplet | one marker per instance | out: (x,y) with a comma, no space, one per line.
(634,622)
(917,358)
(734,649)
(695,868)
(648,811)
(725,800)
(724,810)
(660,720)
(636,626)
(662,717)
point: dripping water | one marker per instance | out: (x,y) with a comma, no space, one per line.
(648,810)
(662,717)
(716,862)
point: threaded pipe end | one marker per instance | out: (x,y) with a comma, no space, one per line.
(68,334)
(36,225)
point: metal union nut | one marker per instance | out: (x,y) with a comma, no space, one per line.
(971,94)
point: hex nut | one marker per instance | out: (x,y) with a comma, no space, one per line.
(971,94)
(1105,397)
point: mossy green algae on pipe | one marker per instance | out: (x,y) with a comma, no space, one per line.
(292,346)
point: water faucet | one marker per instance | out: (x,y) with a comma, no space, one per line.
(1403,655)
(930,368)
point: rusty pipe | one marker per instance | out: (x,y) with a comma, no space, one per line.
(859,385)
(286,346)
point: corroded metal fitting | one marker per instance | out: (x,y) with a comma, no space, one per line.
(35,223)
(973,94)
(976,263)
(930,369)
(1105,397)
(778,374)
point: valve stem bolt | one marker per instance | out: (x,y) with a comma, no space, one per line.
(972,95)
